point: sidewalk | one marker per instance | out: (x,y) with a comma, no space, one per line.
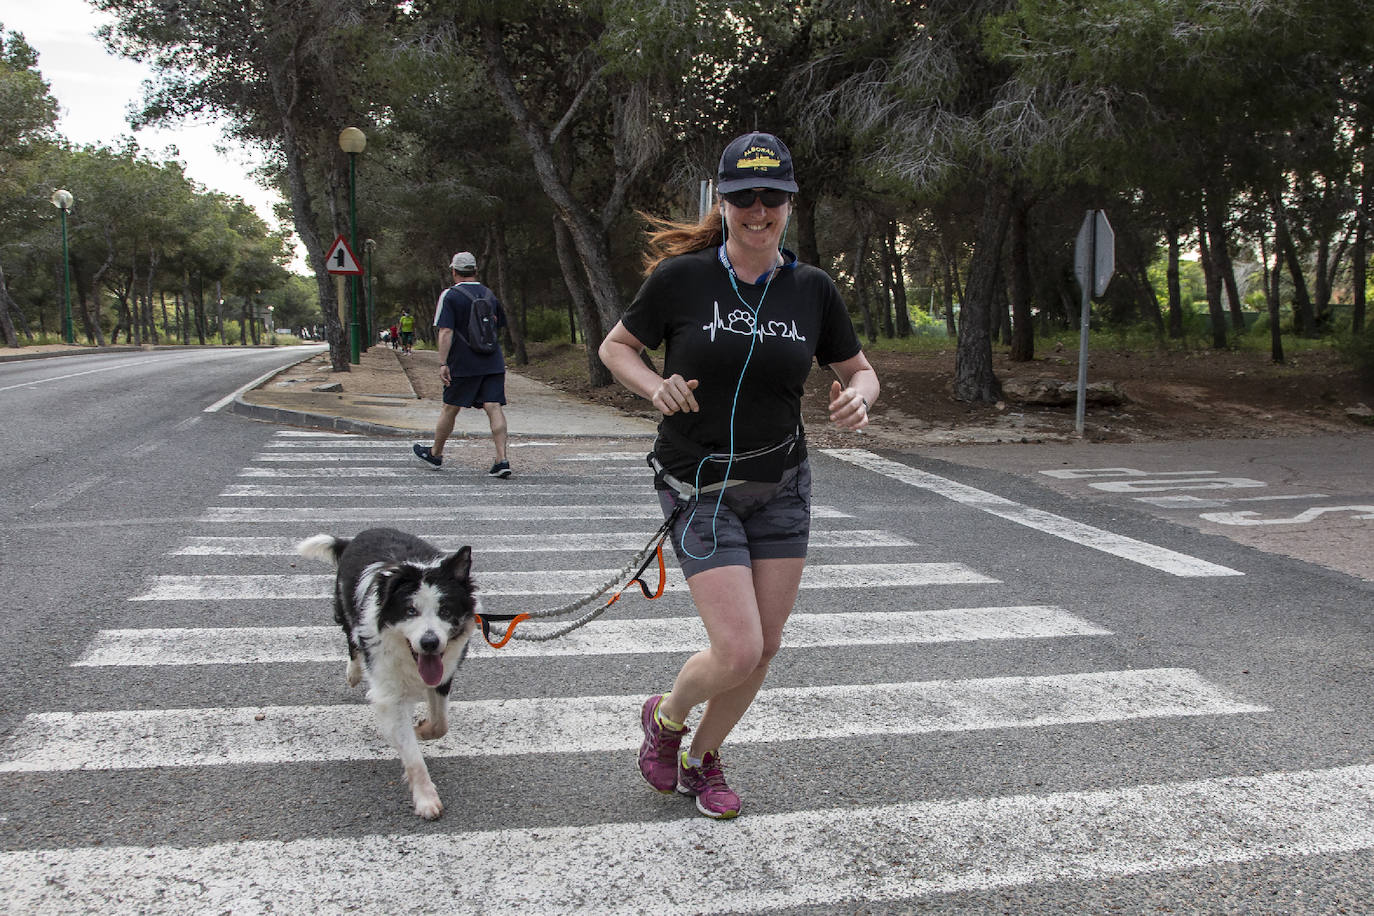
(377,398)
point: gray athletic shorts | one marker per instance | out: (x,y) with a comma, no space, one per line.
(755,521)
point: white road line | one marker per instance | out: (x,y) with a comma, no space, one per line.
(548,582)
(566,542)
(136,739)
(413,472)
(260,645)
(851,857)
(126,364)
(1117,545)
(380,514)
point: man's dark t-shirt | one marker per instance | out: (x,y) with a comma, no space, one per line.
(689,303)
(453,313)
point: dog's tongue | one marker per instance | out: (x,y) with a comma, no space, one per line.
(431,668)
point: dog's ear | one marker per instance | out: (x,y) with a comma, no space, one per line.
(457,565)
(391,578)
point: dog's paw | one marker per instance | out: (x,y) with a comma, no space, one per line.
(428,731)
(354,674)
(427,803)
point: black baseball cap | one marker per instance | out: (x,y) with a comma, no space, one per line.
(755,161)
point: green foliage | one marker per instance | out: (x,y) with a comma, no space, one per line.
(546,325)
(1358,350)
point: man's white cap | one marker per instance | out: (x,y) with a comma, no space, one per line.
(463,261)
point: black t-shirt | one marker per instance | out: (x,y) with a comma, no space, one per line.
(688,301)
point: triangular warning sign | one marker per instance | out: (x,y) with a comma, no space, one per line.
(341,259)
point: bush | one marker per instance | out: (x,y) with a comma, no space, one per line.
(546,324)
(1358,350)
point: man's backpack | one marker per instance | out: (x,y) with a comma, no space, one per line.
(481,337)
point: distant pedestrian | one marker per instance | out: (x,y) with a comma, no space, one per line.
(471,378)
(395,337)
(407,331)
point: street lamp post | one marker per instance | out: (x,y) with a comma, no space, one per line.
(62,200)
(353,142)
(369,246)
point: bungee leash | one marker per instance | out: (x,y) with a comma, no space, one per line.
(654,548)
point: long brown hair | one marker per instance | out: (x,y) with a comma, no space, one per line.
(669,238)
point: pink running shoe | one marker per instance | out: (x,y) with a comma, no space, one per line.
(658,752)
(707,783)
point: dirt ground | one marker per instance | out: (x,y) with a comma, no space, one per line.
(1172,395)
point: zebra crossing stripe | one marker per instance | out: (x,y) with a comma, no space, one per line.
(1126,548)
(410,473)
(381,514)
(549,582)
(432,491)
(850,857)
(582,541)
(136,739)
(253,645)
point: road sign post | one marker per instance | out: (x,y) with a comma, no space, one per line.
(1094,260)
(342,263)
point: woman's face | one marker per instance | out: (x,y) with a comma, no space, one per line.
(756,227)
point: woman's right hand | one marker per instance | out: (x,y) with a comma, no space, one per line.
(675,394)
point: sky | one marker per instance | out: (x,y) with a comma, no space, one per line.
(95,90)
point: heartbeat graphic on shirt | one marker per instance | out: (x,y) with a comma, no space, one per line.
(740,321)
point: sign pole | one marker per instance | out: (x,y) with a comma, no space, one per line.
(1083,322)
(1094,262)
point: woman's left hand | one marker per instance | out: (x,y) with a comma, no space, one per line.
(847,407)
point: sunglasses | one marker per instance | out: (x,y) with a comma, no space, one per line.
(771,197)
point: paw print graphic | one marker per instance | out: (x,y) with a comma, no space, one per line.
(740,322)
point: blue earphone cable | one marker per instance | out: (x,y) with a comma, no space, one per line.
(734,402)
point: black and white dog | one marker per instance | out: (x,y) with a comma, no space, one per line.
(407,609)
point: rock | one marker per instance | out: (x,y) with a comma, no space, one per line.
(1361,413)
(1053,392)
(332,386)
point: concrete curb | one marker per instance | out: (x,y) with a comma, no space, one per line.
(285,417)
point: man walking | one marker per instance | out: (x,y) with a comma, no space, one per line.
(471,377)
(407,331)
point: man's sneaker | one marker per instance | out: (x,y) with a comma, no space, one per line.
(707,784)
(500,469)
(658,752)
(424,454)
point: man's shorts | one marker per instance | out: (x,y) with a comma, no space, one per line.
(754,521)
(476,390)
(407,338)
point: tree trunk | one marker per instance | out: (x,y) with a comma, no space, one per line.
(1271,301)
(6,322)
(1175,290)
(1359,259)
(1304,320)
(597,373)
(1221,257)
(588,239)
(974,379)
(861,287)
(1213,282)
(1022,332)
(286,98)
(897,281)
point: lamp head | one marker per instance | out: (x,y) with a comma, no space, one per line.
(62,200)
(352,140)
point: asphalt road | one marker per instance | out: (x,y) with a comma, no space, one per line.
(997,696)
